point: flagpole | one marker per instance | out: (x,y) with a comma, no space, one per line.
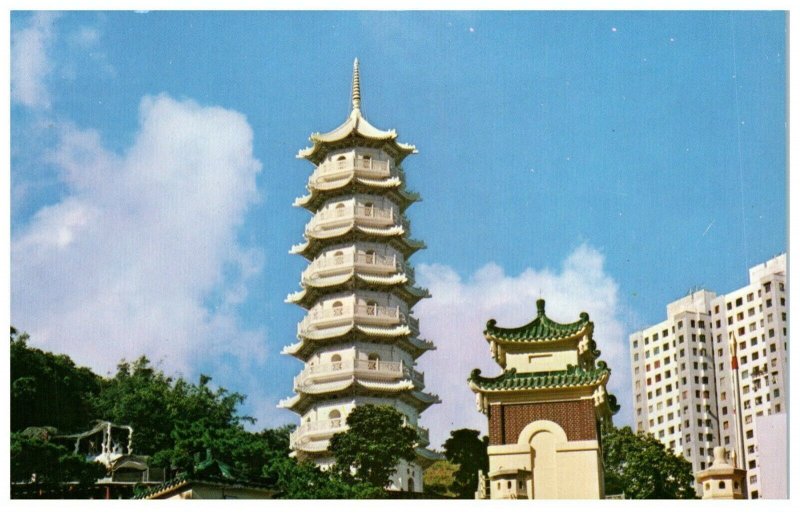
(737,399)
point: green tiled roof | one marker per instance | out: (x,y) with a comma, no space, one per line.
(511,380)
(540,328)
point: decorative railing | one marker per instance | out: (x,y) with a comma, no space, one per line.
(331,265)
(337,216)
(319,428)
(362,167)
(376,369)
(341,315)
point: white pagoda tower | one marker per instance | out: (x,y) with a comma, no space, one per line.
(359,341)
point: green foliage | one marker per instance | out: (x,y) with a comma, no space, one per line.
(179,424)
(642,468)
(141,397)
(468,451)
(376,440)
(439,477)
(177,421)
(48,389)
(37,460)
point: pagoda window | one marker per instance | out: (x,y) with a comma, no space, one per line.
(340,162)
(372,308)
(340,209)
(369,209)
(336,362)
(410,485)
(338,257)
(366,161)
(372,361)
(335,418)
(338,308)
(370,257)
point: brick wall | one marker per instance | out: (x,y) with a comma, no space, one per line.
(577,418)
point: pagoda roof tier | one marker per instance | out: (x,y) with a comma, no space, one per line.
(540,329)
(391,188)
(356,130)
(402,390)
(399,284)
(396,235)
(304,348)
(511,381)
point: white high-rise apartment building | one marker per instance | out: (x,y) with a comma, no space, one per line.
(682,370)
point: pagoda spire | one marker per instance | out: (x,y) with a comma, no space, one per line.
(356,95)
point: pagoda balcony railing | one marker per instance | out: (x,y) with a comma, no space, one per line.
(343,315)
(336,265)
(337,170)
(316,430)
(308,435)
(339,217)
(360,368)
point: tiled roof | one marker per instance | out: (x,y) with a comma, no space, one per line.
(540,328)
(571,377)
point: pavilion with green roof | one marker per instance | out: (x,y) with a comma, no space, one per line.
(545,410)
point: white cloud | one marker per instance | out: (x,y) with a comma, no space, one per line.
(456,315)
(30,63)
(141,254)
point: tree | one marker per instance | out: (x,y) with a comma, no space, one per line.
(35,459)
(142,397)
(438,478)
(49,389)
(466,449)
(642,468)
(373,445)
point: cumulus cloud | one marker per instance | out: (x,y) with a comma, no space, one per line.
(456,315)
(30,64)
(140,256)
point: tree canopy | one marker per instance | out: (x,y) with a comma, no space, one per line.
(178,423)
(373,445)
(466,449)
(642,468)
(49,389)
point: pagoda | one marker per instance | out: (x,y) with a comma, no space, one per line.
(545,410)
(358,340)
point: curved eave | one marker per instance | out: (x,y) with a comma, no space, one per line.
(402,197)
(599,381)
(370,385)
(505,336)
(302,349)
(403,390)
(354,128)
(396,283)
(396,235)
(290,402)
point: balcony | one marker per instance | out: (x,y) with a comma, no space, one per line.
(316,430)
(346,315)
(330,266)
(340,217)
(313,436)
(359,368)
(329,173)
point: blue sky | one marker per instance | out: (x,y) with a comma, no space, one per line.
(608,161)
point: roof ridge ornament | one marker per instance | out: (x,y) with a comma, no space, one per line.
(356,94)
(540,307)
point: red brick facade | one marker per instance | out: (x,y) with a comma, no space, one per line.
(577,418)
